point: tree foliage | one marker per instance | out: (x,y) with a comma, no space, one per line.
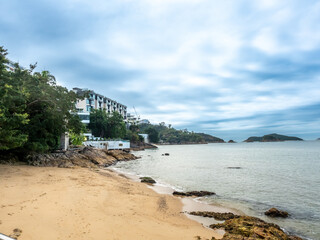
(12,108)
(34,110)
(153,134)
(106,125)
(174,136)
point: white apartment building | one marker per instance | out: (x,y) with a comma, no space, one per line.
(97,101)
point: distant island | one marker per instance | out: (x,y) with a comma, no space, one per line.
(273,138)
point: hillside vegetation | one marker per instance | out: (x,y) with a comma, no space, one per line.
(272,138)
(167,134)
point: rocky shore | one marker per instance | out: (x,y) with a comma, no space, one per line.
(235,226)
(142,146)
(250,228)
(245,227)
(87,157)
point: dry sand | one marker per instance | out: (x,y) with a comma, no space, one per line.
(59,203)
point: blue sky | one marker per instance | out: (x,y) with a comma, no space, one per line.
(230,68)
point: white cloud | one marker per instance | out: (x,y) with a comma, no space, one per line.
(196,60)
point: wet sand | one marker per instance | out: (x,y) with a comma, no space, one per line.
(59,203)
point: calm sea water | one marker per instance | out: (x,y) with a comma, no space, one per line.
(285,175)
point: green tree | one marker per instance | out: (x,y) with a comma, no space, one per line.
(12,108)
(75,125)
(107,125)
(116,127)
(34,110)
(76,139)
(98,123)
(49,107)
(153,134)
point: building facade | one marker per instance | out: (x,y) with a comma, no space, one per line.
(97,101)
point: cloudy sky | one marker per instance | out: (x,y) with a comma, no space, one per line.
(231,68)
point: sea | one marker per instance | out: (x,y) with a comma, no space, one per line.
(249,177)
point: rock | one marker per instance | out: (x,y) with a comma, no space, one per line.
(147,180)
(193,193)
(273,212)
(121,155)
(231,141)
(16,233)
(249,228)
(215,215)
(234,167)
(87,157)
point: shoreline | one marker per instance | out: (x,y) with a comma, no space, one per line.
(197,204)
(79,203)
(186,204)
(189,203)
(200,204)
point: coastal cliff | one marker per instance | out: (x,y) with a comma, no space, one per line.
(272,138)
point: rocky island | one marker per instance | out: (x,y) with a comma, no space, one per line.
(274,137)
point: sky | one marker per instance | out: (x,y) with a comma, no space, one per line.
(230,68)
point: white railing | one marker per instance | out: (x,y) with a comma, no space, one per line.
(110,145)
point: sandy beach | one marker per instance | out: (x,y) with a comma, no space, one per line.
(59,203)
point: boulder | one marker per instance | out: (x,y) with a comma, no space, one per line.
(193,194)
(147,180)
(215,215)
(249,228)
(273,212)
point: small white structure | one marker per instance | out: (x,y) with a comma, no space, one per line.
(64,141)
(145,137)
(109,145)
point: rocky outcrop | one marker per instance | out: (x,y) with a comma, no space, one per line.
(250,228)
(215,215)
(141,146)
(147,180)
(193,194)
(231,141)
(273,212)
(83,157)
